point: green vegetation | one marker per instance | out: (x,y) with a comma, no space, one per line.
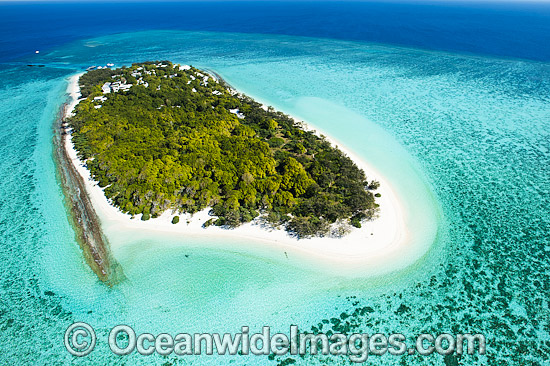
(175,138)
(175,219)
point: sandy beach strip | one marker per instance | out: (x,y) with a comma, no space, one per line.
(364,250)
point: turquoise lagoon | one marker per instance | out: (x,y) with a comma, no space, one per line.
(463,139)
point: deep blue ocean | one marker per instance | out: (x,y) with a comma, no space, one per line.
(517,30)
(449,101)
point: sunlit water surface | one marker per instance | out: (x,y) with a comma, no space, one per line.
(465,141)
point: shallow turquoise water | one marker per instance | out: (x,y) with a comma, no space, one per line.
(473,132)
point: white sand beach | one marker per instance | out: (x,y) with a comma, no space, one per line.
(366,250)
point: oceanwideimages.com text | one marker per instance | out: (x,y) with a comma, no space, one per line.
(80,340)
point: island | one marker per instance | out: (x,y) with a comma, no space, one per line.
(158,136)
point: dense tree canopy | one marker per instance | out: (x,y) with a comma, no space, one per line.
(162,136)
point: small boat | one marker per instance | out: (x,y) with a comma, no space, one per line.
(91,68)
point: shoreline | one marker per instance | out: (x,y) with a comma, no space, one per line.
(356,253)
(83,217)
